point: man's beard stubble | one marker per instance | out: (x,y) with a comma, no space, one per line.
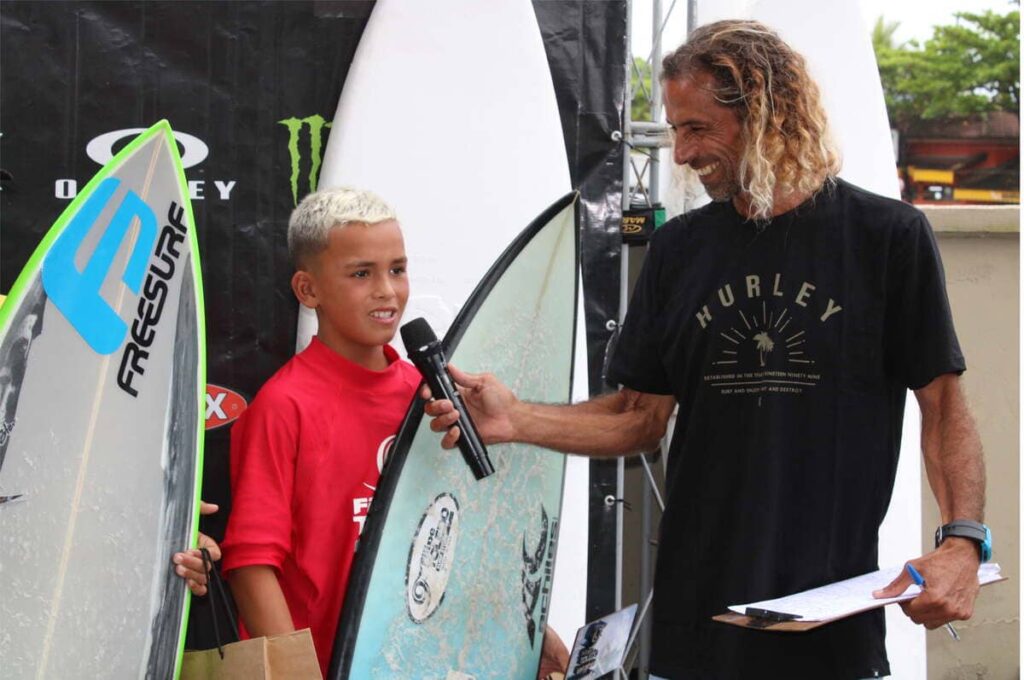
(685,191)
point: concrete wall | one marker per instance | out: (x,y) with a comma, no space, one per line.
(980,251)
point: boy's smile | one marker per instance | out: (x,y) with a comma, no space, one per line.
(358,286)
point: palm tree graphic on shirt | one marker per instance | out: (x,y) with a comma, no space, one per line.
(764,345)
(766,332)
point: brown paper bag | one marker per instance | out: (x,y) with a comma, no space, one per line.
(289,656)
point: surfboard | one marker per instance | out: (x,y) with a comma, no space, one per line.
(102,374)
(452,576)
(464,166)
(465,142)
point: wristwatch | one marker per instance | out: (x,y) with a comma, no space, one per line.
(969,529)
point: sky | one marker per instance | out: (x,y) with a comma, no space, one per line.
(916,17)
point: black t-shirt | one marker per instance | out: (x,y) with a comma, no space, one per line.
(789,350)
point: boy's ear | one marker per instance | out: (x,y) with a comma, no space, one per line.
(305,291)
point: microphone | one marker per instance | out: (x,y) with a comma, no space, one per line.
(426,353)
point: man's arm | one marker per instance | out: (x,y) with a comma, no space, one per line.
(610,425)
(260,601)
(952,450)
(956,474)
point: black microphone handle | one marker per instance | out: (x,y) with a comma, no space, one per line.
(473,450)
(469,442)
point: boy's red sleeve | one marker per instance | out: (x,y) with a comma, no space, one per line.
(264,446)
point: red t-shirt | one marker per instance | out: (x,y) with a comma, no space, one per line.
(305,459)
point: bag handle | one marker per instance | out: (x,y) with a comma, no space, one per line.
(216,585)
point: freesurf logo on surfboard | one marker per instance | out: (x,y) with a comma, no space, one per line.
(77,293)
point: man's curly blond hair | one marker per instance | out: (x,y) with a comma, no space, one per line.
(787,145)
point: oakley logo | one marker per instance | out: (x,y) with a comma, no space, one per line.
(193,152)
(101,149)
(77,293)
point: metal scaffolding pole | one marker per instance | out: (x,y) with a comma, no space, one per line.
(620,478)
(627,119)
(648,529)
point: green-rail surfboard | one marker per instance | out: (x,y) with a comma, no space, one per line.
(102,374)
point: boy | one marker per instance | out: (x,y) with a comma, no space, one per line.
(307,453)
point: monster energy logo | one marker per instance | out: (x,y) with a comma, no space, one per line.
(316,125)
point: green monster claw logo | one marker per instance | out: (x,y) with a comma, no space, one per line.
(316,124)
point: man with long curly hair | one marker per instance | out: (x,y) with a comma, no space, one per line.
(787,319)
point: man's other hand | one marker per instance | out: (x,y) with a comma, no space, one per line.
(950,574)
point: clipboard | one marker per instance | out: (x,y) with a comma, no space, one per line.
(757,623)
(797,613)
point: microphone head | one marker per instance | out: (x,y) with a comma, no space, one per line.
(416,335)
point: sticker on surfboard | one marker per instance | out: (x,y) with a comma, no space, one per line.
(430,557)
(102,378)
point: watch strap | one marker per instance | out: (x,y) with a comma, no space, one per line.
(969,529)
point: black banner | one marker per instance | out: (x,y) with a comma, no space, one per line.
(586,46)
(250,89)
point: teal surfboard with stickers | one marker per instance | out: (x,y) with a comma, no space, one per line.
(102,374)
(452,577)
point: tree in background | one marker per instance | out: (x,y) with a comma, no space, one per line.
(883,34)
(966,68)
(640,84)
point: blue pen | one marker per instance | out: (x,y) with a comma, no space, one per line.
(919,580)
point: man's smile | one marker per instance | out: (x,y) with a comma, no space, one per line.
(706,170)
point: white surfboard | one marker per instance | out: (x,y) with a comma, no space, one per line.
(101,398)
(464,140)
